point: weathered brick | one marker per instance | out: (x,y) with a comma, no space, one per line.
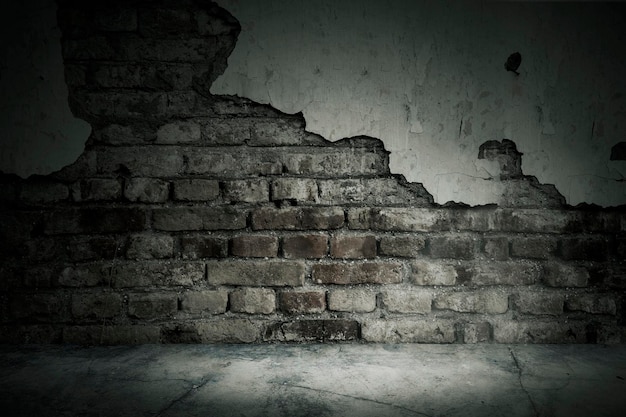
(229,163)
(150,246)
(92,248)
(97,189)
(533,247)
(95,220)
(535,220)
(453,246)
(399,219)
(196,190)
(499,273)
(358,273)
(96,305)
(38,192)
(433,273)
(148,274)
(281,131)
(228,331)
(407,301)
(476,332)
(371,192)
(256,273)
(296,189)
(305,246)
(562,275)
(352,300)
(313,331)
(539,302)
(253,301)
(202,246)
(489,302)
(328,162)
(142,161)
(143,75)
(225,131)
(584,248)
(204,301)
(566,331)
(153,305)
(116,134)
(255,246)
(247,191)
(408,246)
(198,218)
(111,335)
(352,247)
(297,218)
(496,248)
(302,302)
(592,303)
(408,330)
(146,190)
(179,132)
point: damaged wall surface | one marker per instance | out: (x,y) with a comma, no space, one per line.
(428,79)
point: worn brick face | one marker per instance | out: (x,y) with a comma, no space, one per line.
(352,247)
(253,301)
(305,246)
(297,218)
(352,300)
(302,302)
(204,301)
(146,190)
(196,190)
(255,246)
(408,246)
(150,306)
(256,273)
(407,301)
(358,273)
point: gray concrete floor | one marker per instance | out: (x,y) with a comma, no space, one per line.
(313,380)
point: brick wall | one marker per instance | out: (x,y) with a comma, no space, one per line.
(200,218)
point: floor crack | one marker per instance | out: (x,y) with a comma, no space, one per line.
(190,391)
(521,383)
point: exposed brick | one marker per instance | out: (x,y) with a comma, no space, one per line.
(329,162)
(499,273)
(229,163)
(202,246)
(371,192)
(352,247)
(115,134)
(150,246)
(146,190)
(296,189)
(145,161)
(313,331)
(399,219)
(535,220)
(247,191)
(228,331)
(198,218)
(253,301)
(561,275)
(111,335)
(297,218)
(408,246)
(455,247)
(225,131)
(539,303)
(154,305)
(352,300)
(302,302)
(490,302)
(433,273)
(407,301)
(196,190)
(358,273)
(540,332)
(91,248)
(149,274)
(584,248)
(255,246)
(43,192)
(39,307)
(305,246)
(476,333)
(533,247)
(204,301)
(496,248)
(256,273)
(408,330)
(97,189)
(592,303)
(179,132)
(81,276)
(95,220)
(281,131)
(96,306)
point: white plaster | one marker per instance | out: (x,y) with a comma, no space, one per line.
(428,79)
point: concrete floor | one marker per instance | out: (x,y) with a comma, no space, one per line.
(313,380)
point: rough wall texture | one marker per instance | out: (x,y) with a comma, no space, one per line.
(200,218)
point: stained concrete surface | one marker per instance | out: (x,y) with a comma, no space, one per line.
(313,380)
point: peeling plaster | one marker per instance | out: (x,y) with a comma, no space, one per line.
(428,79)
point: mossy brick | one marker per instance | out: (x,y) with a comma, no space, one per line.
(539,303)
(99,305)
(406,246)
(146,190)
(153,305)
(452,246)
(344,246)
(433,273)
(203,246)
(295,189)
(247,191)
(253,301)
(174,219)
(196,190)
(254,246)
(204,301)
(408,330)
(352,300)
(150,246)
(382,272)
(565,275)
(272,273)
(308,246)
(302,301)
(592,303)
(484,301)
(537,247)
(407,301)
(313,331)
(297,218)
(95,220)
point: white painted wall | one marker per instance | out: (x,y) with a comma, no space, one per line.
(428,79)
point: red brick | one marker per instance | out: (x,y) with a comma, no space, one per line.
(302,302)
(305,246)
(353,247)
(255,246)
(358,273)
